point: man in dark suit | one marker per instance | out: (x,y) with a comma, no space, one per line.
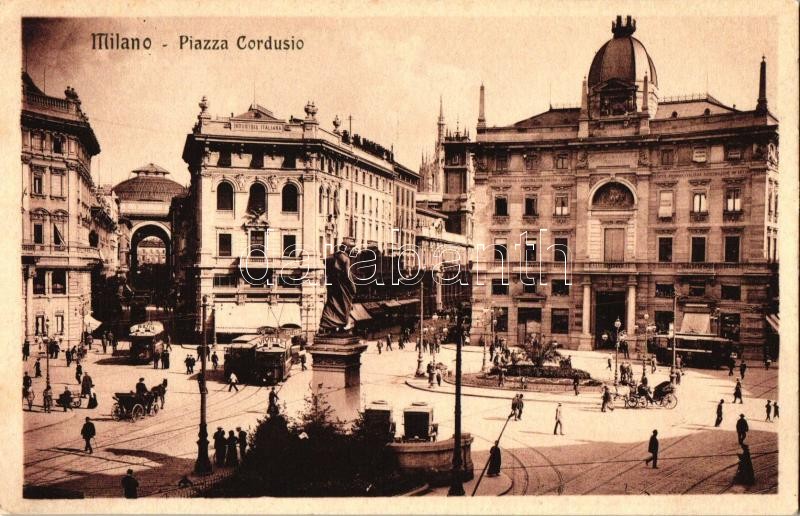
(88,432)
(719,413)
(742,428)
(653,449)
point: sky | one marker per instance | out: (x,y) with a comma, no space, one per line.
(387,73)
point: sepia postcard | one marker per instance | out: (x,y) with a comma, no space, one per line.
(479,257)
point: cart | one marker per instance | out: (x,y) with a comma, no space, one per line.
(132,407)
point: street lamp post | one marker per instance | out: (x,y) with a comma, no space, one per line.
(456,485)
(434,336)
(617,325)
(646,329)
(47,348)
(203,465)
(420,371)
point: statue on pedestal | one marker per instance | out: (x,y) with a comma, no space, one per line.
(341,290)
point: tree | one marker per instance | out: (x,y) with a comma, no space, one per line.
(541,354)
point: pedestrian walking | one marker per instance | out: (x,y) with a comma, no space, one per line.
(775,409)
(380,346)
(742,369)
(652,448)
(105,343)
(438,378)
(37,368)
(232,457)
(606,399)
(388,342)
(242,437)
(219,446)
(742,428)
(232,381)
(92,400)
(165,359)
(495,460)
(678,377)
(609,364)
(88,432)
(731,365)
(90,341)
(514,405)
(47,398)
(156,359)
(65,399)
(719,413)
(303,361)
(78,373)
(769,410)
(559,425)
(653,365)
(188,362)
(576,382)
(737,392)
(214,360)
(113,342)
(501,377)
(26,350)
(272,408)
(130,486)
(68,354)
(520,405)
(86,385)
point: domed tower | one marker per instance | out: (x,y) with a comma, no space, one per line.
(622,79)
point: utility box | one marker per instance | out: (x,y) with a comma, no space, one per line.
(378,420)
(418,422)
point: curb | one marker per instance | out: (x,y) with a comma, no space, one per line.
(486,396)
(417,491)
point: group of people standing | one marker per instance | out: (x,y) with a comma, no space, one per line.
(230,450)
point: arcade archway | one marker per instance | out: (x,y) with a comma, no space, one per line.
(150,251)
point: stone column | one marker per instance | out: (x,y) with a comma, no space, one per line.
(630,320)
(587,308)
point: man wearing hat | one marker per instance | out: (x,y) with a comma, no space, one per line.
(219,446)
(742,428)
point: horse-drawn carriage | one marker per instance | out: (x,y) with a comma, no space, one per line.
(663,396)
(133,407)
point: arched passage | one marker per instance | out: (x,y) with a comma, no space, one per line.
(150,251)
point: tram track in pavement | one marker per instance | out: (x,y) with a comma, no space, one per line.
(127,439)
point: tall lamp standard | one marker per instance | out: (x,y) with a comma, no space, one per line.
(456,485)
(203,465)
(644,358)
(617,325)
(420,371)
(47,360)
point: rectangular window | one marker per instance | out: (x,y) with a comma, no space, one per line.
(500,249)
(663,320)
(289,245)
(40,329)
(697,289)
(226,280)
(502,320)
(37,141)
(734,153)
(38,233)
(731,249)
(665,290)
(258,244)
(698,249)
(225,247)
(665,204)
(559,288)
(59,324)
(731,292)
(614,245)
(559,321)
(57,185)
(700,154)
(58,233)
(502,163)
(498,288)
(530,250)
(733,199)
(699,204)
(667,156)
(59,279)
(39,281)
(665,249)
(561,161)
(531,206)
(38,183)
(729,325)
(528,286)
(560,250)
(561,207)
(501,206)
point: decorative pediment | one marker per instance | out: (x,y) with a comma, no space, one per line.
(531,188)
(702,229)
(699,182)
(666,184)
(561,187)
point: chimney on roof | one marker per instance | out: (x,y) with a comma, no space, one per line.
(644,121)
(761,106)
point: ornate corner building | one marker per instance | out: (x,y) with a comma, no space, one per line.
(633,206)
(268,200)
(71,236)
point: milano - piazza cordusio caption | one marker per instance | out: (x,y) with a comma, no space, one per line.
(118,41)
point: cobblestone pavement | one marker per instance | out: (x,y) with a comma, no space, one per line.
(601,453)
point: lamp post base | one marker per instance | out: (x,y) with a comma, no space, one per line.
(202,465)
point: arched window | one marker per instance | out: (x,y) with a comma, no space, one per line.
(224,197)
(289,198)
(257,203)
(94,240)
(321,193)
(328,201)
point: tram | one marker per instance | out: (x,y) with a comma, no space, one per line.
(147,338)
(696,350)
(265,359)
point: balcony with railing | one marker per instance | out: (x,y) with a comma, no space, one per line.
(698,216)
(732,215)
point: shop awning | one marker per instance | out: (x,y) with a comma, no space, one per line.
(90,323)
(359,313)
(391,304)
(696,323)
(249,317)
(774,322)
(402,302)
(696,337)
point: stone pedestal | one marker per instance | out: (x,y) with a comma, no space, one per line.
(336,370)
(585,342)
(434,460)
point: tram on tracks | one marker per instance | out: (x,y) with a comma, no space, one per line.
(263,359)
(708,351)
(146,338)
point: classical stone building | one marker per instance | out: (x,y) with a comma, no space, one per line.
(70,234)
(624,207)
(269,198)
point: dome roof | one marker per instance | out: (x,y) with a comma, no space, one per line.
(623,57)
(150,184)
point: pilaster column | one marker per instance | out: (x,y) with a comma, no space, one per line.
(587,308)
(630,320)
(29,272)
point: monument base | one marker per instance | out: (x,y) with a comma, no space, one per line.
(336,371)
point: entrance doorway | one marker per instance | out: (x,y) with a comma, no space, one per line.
(608,307)
(529,322)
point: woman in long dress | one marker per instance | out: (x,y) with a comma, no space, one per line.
(495,460)
(232,457)
(340,290)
